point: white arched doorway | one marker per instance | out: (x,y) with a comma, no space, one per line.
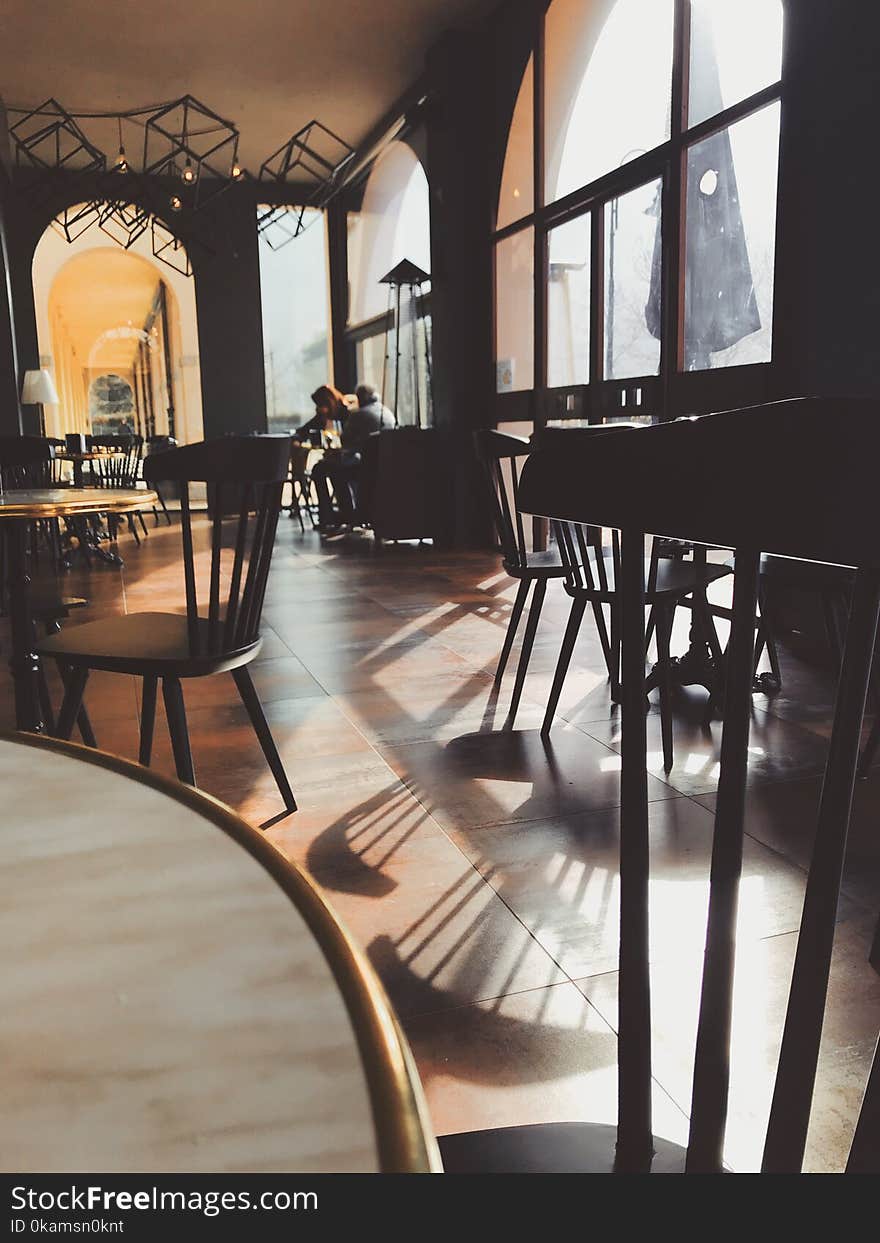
(103,311)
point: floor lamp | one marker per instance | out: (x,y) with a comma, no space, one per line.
(37,389)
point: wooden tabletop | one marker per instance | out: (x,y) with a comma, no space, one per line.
(178,997)
(61,502)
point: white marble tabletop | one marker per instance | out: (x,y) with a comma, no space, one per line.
(175,995)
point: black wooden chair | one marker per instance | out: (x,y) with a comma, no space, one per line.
(503,457)
(299,481)
(28,462)
(592,577)
(246,476)
(119,467)
(822,509)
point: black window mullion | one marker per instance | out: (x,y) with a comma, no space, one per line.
(672,221)
(597,305)
(541,248)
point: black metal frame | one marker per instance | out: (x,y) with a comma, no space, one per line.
(172,129)
(312,160)
(672,391)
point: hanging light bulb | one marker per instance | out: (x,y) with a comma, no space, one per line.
(175,202)
(235,171)
(121,161)
(188,174)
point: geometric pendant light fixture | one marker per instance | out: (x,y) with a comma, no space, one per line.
(188,142)
(190,155)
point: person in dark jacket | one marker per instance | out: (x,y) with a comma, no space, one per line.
(342,467)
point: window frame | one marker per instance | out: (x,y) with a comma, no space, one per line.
(673,391)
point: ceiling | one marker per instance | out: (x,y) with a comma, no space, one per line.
(99,290)
(269,66)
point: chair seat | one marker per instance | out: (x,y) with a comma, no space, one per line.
(538,565)
(142,643)
(675,579)
(48,605)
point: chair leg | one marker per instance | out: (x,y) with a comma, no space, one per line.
(74,687)
(148,720)
(614,669)
(82,717)
(664,619)
(572,629)
(164,507)
(140,518)
(602,630)
(251,701)
(84,725)
(528,640)
(649,630)
(522,592)
(172,693)
(45,700)
(133,528)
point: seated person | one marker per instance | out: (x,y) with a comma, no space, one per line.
(330,409)
(341,468)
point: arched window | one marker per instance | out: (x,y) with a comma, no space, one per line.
(635,127)
(517,197)
(392,224)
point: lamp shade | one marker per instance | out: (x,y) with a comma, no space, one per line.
(38,389)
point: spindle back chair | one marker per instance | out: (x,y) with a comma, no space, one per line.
(221,629)
(119,467)
(593,577)
(503,457)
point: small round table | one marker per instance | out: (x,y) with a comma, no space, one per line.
(179,997)
(18,508)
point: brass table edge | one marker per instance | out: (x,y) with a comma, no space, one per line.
(404,1137)
(124,501)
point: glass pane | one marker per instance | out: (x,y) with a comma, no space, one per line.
(568,304)
(293,292)
(371,364)
(517,198)
(608,87)
(412,378)
(731,244)
(736,50)
(515,312)
(633,265)
(393,224)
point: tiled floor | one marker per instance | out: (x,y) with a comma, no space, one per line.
(478,866)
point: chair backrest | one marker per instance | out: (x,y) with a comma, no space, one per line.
(120,466)
(398,480)
(582,555)
(503,457)
(26,462)
(245,476)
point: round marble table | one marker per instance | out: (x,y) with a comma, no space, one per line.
(177,997)
(18,508)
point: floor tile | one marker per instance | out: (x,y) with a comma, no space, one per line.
(489,778)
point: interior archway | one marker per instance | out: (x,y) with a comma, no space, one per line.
(101,311)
